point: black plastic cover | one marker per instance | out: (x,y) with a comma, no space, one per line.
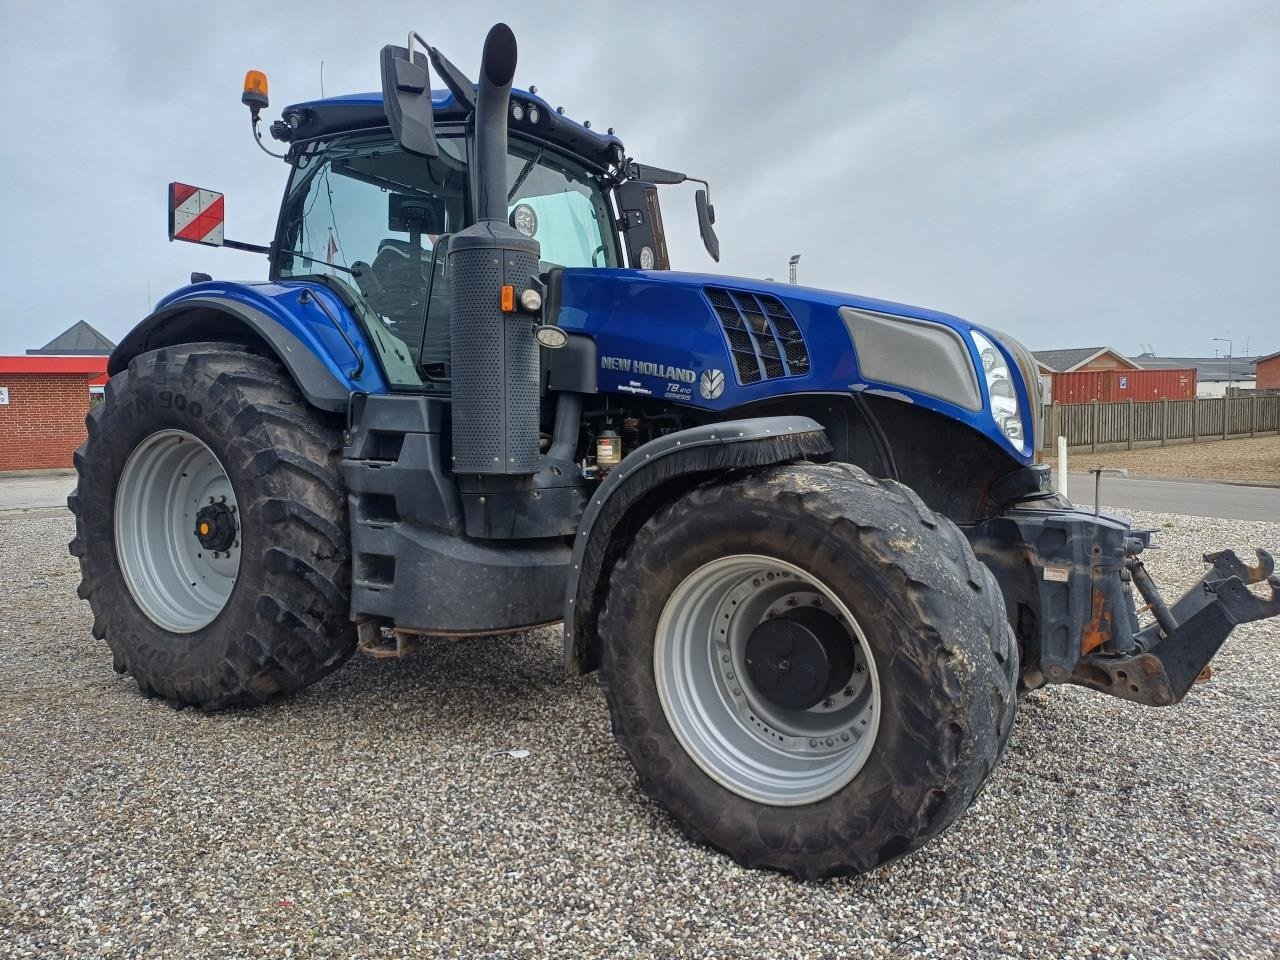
(641,223)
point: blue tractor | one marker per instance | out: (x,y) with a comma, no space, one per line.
(801,535)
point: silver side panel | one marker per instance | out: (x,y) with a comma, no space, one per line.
(915,354)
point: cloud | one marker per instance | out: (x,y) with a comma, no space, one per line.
(1071,174)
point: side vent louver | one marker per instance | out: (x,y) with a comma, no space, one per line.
(764,339)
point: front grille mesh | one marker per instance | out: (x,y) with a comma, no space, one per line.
(764,339)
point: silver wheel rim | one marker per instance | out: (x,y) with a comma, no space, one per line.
(747,744)
(175,580)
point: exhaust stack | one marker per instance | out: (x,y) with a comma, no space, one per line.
(493,354)
(497,70)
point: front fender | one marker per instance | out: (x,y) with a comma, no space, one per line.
(305,324)
(648,477)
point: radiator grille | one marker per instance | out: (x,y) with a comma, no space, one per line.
(764,339)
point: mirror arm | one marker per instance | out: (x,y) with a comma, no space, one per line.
(704,184)
(408,44)
(463,90)
(249,247)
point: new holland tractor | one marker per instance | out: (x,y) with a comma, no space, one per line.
(801,534)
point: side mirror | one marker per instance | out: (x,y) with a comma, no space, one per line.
(642,226)
(406,97)
(707,217)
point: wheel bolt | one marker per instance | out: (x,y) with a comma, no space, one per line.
(737,692)
(817,601)
(791,601)
(858,668)
(827,702)
(848,691)
(844,737)
(813,743)
(725,657)
(771,614)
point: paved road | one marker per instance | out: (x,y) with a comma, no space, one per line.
(35,493)
(1190,498)
(1227,500)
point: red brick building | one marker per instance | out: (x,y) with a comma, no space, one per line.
(43,403)
(1268,372)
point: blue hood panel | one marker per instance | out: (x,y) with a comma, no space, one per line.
(656,334)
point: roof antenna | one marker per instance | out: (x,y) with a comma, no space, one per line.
(321,79)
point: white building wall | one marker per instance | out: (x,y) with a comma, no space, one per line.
(1218,388)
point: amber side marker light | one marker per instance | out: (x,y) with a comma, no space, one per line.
(508,298)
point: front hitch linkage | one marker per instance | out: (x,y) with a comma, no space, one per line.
(1168,655)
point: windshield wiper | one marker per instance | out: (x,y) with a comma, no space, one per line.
(524,173)
(336,266)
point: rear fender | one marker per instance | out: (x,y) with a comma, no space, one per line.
(650,476)
(305,324)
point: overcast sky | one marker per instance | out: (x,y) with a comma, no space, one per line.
(1072,173)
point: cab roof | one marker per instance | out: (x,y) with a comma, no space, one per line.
(314,119)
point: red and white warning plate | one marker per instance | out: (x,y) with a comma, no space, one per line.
(195,214)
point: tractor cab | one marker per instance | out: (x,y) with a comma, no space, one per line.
(376,220)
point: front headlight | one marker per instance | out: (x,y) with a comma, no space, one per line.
(1004,398)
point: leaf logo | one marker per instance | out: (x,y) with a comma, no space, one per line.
(711,384)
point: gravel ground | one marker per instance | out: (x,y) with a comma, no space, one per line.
(378,815)
(1251,460)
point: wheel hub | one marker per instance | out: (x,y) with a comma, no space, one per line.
(798,660)
(177,531)
(216,527)
(740,640)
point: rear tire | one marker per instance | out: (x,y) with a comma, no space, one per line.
(277,620)
(931,637)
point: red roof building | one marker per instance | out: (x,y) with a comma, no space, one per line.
(43,403)
(1268,368)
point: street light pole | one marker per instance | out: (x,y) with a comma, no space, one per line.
(795,258)
(1230,351)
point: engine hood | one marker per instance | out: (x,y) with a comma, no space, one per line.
(658,332)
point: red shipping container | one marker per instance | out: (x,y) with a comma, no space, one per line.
(1114,386)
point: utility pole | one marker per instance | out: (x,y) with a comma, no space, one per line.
(795,258)
(1227,341)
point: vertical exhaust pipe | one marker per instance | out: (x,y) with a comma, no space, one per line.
(489,174)
(493,355)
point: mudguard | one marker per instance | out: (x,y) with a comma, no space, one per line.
(308,327)
(628,496)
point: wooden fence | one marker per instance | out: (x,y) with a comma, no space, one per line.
(1125,425)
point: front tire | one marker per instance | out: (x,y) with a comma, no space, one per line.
(808,668)
(211,528)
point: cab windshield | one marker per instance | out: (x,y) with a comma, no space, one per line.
(377,220)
